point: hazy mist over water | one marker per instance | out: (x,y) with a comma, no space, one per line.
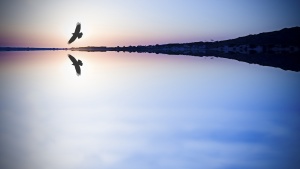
(133,110)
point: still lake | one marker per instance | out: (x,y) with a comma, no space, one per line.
(138,110)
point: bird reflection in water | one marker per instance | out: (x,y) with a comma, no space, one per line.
(76,63)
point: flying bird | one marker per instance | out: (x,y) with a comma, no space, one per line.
(76,63)
(76,34)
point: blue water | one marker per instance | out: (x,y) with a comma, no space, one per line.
(133,110)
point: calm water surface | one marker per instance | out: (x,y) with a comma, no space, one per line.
(131,110)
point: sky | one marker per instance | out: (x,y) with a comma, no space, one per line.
(37,23)
(133,110)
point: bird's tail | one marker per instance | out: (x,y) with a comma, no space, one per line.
(80,35)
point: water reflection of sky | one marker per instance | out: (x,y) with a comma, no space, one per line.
(146,111)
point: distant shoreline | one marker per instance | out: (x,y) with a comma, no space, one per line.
(277,49)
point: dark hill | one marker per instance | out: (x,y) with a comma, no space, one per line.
(278,49)
(284,37)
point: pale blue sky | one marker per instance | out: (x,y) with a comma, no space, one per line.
(132,110)
(131,22)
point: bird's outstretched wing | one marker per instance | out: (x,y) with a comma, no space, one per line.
(72,59)
(78,27)
(77,67)
(79,62)
(72,39)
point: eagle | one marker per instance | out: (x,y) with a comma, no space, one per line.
(76,34)
(76,63)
